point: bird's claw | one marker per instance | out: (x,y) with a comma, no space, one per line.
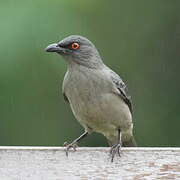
(115,149)
(70,146)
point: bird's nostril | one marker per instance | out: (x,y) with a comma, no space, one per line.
(59,45)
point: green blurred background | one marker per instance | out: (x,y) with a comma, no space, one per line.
(140,40)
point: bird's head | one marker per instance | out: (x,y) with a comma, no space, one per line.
(77,49)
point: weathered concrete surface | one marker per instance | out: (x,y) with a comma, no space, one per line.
(50,163)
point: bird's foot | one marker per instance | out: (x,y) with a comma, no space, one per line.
(115,149)
(70,146)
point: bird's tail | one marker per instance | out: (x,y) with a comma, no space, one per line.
(130,143)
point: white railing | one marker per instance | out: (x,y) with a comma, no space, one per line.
(51,163)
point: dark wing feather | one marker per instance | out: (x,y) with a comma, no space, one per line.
(65,97)
(122,89)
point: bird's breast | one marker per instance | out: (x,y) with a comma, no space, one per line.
(86,85)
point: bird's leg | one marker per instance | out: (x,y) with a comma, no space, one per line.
(116,148)
(73,145)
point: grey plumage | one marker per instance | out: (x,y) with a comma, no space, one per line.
(122,88)
(98,97)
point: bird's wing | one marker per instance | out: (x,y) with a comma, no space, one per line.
(123,91)
(63,86)
(65,97)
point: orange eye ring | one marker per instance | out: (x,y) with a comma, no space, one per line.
(75,46)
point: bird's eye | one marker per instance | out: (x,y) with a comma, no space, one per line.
(75,46)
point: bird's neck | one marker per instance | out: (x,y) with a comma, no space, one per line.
(94,62)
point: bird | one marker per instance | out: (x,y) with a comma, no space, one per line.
(98,97)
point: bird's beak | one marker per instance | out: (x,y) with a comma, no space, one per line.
(54,48)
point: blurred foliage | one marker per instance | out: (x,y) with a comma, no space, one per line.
(140,40)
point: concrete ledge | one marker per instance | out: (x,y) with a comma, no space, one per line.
(51,163)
